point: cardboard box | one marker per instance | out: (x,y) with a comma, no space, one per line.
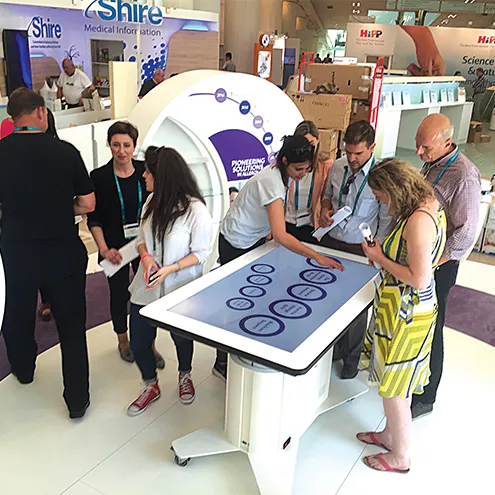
(475,132)
(326,111)
(360,111)
(352,80)
(329,140)
(485,138)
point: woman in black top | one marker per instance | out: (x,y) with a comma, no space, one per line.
(120,195)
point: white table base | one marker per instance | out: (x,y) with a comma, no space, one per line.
(266,414)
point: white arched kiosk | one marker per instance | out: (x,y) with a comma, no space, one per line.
(228,127)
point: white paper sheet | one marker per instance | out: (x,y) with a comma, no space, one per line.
(337,218)
(128,252)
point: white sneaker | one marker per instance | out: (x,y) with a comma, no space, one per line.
(187,394)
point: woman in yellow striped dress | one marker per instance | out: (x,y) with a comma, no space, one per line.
(398,341)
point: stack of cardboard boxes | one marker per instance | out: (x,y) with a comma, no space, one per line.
(476,133)
(333,113)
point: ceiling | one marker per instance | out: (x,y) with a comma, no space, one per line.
(337,16)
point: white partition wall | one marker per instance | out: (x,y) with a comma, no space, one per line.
(123,88)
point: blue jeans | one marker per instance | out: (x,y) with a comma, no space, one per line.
(142,336)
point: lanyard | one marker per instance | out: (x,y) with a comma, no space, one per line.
(27,128)
(427,168)
(310,195)
(121,199)
(361,189)
(163,250)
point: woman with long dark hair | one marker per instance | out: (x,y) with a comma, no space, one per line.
(259,211)
(175,239)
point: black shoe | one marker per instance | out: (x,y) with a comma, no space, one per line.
(24,380)
(79,414)
(349,371)
(220,371)
(419,410)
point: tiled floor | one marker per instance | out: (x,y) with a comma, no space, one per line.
(108,453)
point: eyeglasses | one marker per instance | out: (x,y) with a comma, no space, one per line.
(348,184)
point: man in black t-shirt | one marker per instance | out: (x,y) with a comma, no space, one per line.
(43,184)
(158,77)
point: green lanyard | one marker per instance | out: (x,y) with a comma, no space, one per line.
(121,199)
(310,195)
(296,195)
(361,189)
(427,168)
(27,128)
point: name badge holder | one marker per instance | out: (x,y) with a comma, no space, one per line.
(303,217)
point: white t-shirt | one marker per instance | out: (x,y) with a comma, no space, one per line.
(302,195)
(73,86)
(192,233)
(247,220)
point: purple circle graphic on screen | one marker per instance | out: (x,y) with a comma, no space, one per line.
(259,280)
(292,310)
(220,95)
(319,277)
(244,107)
(252,291)
(240,304)
(306,292)
(268,138)
(262,268)
(262,325)
(313,263)
(258,122)
(272,158)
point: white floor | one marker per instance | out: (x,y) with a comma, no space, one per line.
(42,452)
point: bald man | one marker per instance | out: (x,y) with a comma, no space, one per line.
(457,184)
(158,77)
(72,83)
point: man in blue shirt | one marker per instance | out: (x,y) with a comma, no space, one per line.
(348,186)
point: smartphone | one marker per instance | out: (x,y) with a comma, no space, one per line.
(153,278)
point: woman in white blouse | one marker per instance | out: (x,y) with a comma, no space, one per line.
(258,211)
(175,240)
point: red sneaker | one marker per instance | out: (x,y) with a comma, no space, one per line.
(187,394)
(149,394)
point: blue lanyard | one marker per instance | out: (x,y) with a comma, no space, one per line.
(427,168)
(121,199)
(27,128)
(361,189)
(310,195)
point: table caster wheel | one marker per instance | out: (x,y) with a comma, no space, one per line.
(181,462)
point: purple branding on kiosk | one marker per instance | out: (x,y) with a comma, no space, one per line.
(242,154)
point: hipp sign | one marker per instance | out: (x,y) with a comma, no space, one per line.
(120,10)
(486,40)
(370,33)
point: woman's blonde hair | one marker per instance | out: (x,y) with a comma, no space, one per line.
(406,188)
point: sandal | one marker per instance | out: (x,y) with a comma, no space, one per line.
(126,354)
(374,440)
(385,465)
(45,312)
(160,362)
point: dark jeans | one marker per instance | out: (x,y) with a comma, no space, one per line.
(59,270)
(229,253)
(119,296)
(445,277)
(142,336)
(301,233)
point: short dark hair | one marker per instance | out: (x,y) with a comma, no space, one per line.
(174,74)
(480,69)
(228,55)
(122,127)
(233,190)
(24,101)
(360,132)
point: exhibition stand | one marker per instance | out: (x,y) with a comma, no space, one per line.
(406,101)
(278,314)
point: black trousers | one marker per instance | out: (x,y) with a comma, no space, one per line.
(445,278)
(301,233)
(59,270)
(229,253)
(119,296)
(142,336)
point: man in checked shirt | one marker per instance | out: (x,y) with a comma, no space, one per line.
(457,184)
